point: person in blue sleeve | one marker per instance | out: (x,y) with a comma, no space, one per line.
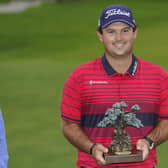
(3,145)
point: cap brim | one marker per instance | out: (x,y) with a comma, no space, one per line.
(118,20)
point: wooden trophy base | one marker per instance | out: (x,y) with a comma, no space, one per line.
(135,156)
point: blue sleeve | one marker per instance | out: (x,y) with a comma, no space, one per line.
(3,146)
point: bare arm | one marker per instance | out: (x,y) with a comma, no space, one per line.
(159,135)
(76,136)
(79,139)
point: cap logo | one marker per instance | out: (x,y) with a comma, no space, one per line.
(112,12)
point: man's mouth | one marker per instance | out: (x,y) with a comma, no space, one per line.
(119,45)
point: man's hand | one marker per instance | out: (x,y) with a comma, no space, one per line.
(143,145)
(98,152)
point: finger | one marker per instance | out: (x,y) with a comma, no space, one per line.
(98,152)
(145,153)
(140,144)
(101,160)
(143,146)
(102,148)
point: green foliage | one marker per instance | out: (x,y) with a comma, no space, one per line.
(117,114)
(135,107)
(132,120)
(38,49)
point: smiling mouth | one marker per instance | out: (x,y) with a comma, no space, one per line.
(119,45)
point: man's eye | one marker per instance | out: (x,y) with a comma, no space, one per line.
(126,30)
(111,32)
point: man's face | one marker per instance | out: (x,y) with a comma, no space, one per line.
(118,39)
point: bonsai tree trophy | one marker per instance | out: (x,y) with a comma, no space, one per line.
(121,149)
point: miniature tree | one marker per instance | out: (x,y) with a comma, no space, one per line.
(118,118)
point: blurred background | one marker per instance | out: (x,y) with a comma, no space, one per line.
(39,46)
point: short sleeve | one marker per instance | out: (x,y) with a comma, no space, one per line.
(164,98)
(70,105)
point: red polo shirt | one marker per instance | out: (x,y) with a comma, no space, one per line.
(95,86)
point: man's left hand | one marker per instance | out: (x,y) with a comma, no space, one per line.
(143,145)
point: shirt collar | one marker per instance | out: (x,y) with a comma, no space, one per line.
(110,71)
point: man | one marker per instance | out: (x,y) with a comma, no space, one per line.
(117,76)
(3,146)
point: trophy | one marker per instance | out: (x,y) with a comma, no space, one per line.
(121,149)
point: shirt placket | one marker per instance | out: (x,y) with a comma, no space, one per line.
(121,80)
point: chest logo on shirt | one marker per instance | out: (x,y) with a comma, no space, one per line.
(92,82)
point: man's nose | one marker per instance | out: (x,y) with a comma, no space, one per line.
(118,36)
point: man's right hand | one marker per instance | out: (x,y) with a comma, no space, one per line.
(98,152)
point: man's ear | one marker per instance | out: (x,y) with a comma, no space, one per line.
(135,33)
(99,36)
